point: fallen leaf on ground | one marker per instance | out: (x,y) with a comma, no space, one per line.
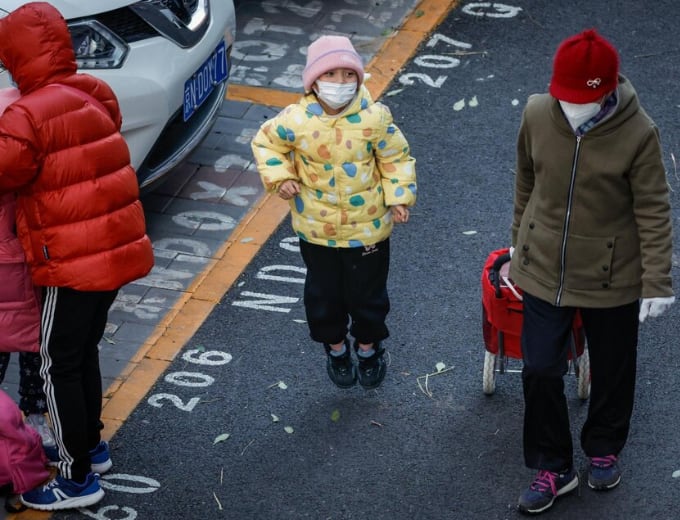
(221,438)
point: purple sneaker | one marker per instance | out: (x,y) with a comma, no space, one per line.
(604,473)
(545,488)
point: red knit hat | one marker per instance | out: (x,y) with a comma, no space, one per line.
(585,68)
(328,53)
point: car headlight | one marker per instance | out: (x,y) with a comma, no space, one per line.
(95,46)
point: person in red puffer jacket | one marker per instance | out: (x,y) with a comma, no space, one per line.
(81,225)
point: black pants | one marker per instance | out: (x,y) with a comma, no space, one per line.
(72,325)
(344,283)
(31,395)
(611,334)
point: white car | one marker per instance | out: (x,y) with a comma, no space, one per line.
(166,60)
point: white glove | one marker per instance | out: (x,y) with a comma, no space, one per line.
(512,250)
(654,307)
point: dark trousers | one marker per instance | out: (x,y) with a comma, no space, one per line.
(344,283)
(31,395)
(611,335)
(72,325)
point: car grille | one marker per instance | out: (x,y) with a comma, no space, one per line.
(144,20)
(127,25)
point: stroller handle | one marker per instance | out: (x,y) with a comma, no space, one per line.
(494,276)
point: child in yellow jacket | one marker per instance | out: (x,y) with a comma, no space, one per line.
(346,170)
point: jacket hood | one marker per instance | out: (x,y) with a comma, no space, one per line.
(36,46)
(628,104)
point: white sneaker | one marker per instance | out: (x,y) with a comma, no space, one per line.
(38,422)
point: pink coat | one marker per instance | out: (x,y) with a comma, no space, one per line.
(19,301)
(22,459)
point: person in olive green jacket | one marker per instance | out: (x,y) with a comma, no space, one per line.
(345,168)
(591,231)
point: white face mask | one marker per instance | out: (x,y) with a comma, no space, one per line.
(335,95)
(579,113)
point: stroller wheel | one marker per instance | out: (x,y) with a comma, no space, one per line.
(489,374)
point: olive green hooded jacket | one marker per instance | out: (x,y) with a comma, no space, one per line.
(592,218)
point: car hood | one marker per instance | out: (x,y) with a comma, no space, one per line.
(72,8)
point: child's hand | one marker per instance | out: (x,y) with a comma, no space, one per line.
(399,214)
(289,189)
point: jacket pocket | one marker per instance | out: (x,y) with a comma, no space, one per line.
(16,285)
(589,262)
(538,252)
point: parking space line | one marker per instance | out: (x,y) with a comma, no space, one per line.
(191,310)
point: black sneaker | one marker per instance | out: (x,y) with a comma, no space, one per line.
(372,368)
(341,369)
(545,488)
(604,473)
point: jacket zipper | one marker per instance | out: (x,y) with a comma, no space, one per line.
(567,219)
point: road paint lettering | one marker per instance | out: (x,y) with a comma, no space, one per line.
(103,513)
(175,245)
(291,77)
(209,357)
(438,37)
(156,400)
(258,25)
(265,302)
(189,379)
(228,160)
(436,61)
(340,16)
(491,10)
(134,304)
(206,220)
(290,244)
(308,10)
(149,485)
(264,273)
(162,278)
(268,51)
(408,79)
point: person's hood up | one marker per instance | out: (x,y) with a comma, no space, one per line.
(35,46)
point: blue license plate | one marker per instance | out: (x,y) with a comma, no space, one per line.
(199,86)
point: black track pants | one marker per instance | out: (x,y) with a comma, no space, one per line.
(72,325)
(344,283)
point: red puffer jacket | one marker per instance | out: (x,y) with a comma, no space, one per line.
(79,217)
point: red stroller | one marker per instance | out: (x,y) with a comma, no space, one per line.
(502,326)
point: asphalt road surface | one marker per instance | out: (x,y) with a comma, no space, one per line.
(246,425)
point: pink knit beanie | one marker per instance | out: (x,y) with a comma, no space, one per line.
(328,53)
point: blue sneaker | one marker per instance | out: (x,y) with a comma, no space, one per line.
(604,473)
(545,488)
(60,493)
(100,460)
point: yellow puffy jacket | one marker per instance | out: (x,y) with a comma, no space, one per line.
(351,167)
